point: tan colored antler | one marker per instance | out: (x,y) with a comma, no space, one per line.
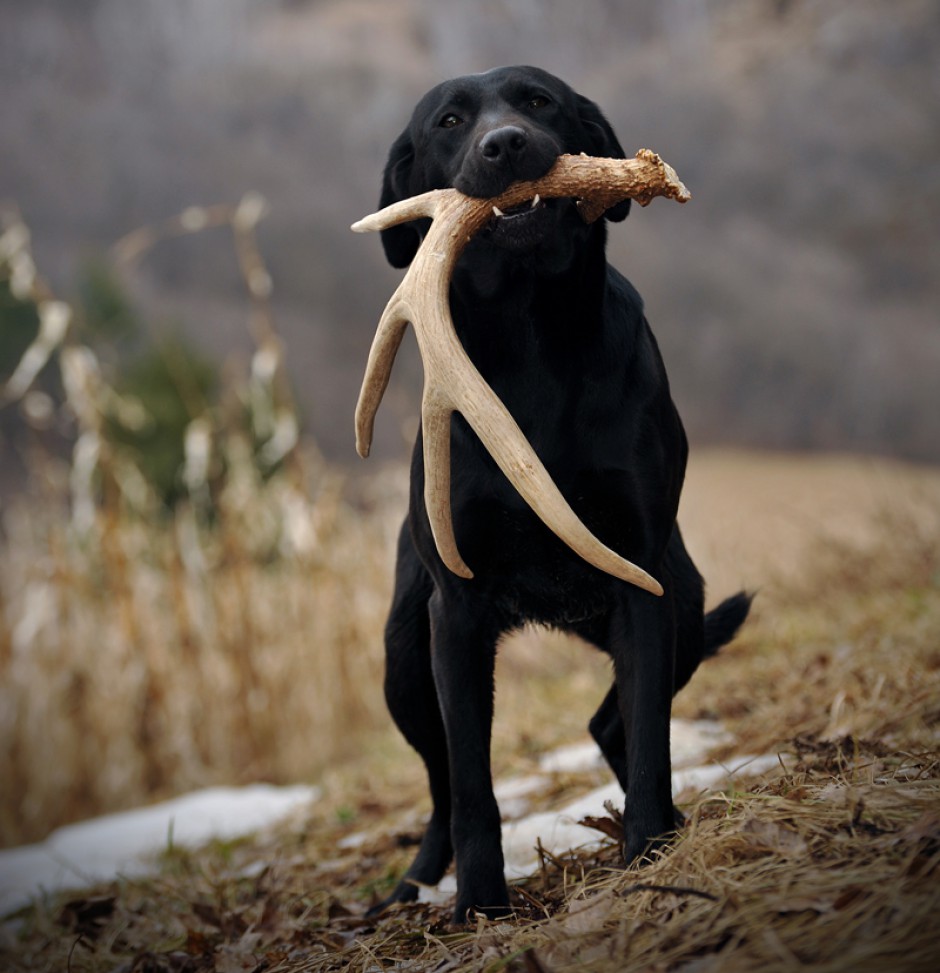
(452,383)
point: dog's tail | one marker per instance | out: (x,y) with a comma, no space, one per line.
(722,623)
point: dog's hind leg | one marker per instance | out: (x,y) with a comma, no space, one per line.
(412,701)
(607,728)
(642,644)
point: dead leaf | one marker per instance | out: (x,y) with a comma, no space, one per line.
(587,914)
(337,910)
(773,836)
(607,826)
(198,943)
(207,913)
(229,922)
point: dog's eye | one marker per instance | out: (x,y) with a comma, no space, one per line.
(539,101)
(450,120)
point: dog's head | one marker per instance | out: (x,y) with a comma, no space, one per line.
(481,133)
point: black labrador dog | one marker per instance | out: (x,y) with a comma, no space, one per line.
(562,339)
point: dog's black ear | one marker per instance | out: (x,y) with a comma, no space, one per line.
(604,144)
(400,242)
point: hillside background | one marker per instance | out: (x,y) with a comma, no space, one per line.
(796,298)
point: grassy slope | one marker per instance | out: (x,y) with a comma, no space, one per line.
(831,864)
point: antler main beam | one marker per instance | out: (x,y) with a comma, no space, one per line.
(452,383)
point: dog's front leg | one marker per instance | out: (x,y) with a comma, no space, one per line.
(463,652)
(643,649)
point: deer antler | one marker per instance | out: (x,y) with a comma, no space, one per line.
(452,383)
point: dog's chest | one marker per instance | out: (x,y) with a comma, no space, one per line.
(564,389)
(523,566)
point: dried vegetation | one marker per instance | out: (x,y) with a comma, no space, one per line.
(830,864)
(139,656)
(146,650)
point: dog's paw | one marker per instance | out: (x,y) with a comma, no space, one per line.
(405,891)
(641,851)
(466,913)
(490,899)
(641,841)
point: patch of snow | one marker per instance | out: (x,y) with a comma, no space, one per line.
(513,795)
(708,776)
(559,831)
(119,844)
(516,787)
(440,894)
(690,741)
(572,759)
(355,840)
(125,844)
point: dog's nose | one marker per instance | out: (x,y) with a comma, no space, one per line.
(502,145)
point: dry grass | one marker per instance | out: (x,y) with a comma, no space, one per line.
(143,651)
(145,660)
(831,864)
(140,659)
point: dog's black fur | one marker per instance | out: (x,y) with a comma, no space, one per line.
(562,339)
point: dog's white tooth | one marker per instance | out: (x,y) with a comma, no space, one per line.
(498,211)
(536,201)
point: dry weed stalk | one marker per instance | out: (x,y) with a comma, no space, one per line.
(142,652)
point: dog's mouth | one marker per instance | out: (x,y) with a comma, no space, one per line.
(523,209)
(521,227)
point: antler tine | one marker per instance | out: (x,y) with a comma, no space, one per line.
(388,337)
(452,383)
(413,208)
(436,412)
(391,328)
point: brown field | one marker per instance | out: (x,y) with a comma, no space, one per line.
(762,519)
(144,661)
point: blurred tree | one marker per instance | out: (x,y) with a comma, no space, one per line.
(174,384)
(19,325)
(168,382)
(107,317)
